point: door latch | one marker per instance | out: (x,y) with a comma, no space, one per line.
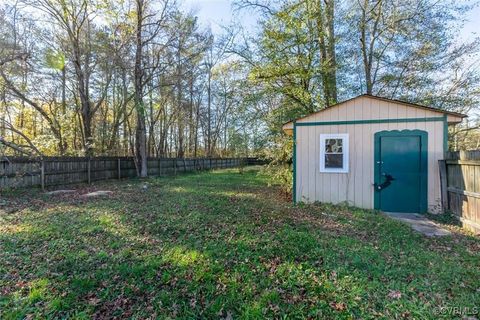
(386,183)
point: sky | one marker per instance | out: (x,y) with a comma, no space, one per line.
(472,26)
(220,12)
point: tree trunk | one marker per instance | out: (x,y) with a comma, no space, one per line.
(331,56)
(190,118)
(374,16)
(180,112)
(326,42)
(141,131)
(209,113)
(82,76)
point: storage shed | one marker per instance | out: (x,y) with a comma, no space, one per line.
(372,153)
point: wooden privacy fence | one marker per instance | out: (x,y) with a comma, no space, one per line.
(460,183)
(18,172)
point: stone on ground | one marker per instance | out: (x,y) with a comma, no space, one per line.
(419,223)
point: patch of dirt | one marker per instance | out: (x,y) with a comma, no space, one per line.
(98,193)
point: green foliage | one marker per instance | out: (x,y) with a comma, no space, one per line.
(279,168)
(280,175)
(290,68)
(288,59)
(54,59)
(415,56)
(222,245)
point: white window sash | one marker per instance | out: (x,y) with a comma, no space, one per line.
(345,152)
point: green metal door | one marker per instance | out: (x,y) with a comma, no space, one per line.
(401,171)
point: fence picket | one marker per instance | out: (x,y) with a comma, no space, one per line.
(463,187)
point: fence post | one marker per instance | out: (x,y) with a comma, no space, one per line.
(442,165)
(89,169)
(42,174)
(119,169)
(159,166)
(175,166)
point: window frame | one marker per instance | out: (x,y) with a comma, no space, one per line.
(345,152)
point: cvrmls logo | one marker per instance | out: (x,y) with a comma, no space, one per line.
(457,311)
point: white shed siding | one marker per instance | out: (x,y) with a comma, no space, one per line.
(356,186)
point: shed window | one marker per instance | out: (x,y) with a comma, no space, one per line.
(334,153)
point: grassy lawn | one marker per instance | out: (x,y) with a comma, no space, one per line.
(222,245)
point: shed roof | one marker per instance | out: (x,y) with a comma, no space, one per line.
(454,114)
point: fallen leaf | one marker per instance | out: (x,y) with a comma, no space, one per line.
(339,306)
(394,294)
(93,301)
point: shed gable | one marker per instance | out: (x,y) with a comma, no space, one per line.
(366,108)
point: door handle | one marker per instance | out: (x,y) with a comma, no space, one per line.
(386,183)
